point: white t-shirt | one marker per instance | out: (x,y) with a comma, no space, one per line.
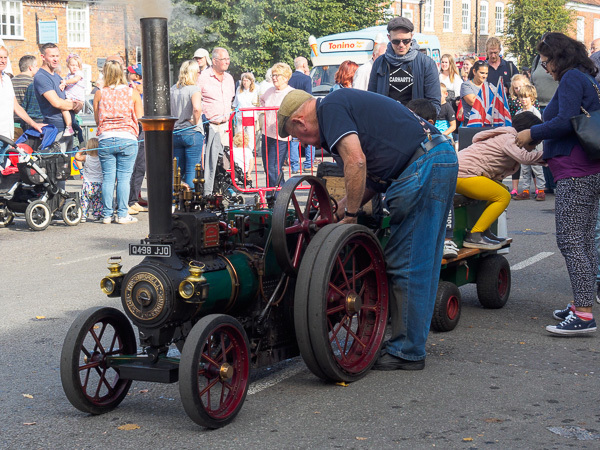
(458,81)
(92,170)
(362,75)
(7,100)
(241,156)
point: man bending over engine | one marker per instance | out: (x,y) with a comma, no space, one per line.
(387,148)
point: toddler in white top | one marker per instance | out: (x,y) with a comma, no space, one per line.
(242,153)
(74,88)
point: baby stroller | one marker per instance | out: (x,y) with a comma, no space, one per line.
(29,181)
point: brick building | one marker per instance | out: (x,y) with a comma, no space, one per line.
(92,29)
(463,26)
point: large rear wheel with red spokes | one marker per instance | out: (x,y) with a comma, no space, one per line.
(347,303)
(214,370)
(90,384)
(302,208)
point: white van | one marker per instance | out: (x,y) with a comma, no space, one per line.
(328,52)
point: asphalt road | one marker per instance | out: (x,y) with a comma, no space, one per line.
(498,380)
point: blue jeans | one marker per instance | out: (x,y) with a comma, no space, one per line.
(309,158)
(187,148)
(295,155)
(276,152)
(117,157)
(418,202)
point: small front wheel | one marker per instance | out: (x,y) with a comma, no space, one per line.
(91,385)
(214,370)
(38,215)
(71,212)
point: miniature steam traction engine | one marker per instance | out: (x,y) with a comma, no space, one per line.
(231,288)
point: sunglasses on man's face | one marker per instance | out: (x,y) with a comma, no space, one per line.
(404,41)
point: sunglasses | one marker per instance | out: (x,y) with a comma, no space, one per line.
(544,64)
(404,41)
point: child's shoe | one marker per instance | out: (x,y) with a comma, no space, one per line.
(523,195)
(69,131)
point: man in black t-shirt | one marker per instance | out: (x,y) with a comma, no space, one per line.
(387,148)
(403,72)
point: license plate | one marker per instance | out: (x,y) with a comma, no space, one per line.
(160,250)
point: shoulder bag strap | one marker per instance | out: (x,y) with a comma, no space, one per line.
(597,92)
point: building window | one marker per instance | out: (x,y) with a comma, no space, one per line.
(78,25)
(483,18)
(580,29)
(466,16)
(11,19)
(447,16)
(596,29)
(499,18)
(408,13)
(428,15)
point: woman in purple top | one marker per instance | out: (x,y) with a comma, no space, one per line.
(577,177)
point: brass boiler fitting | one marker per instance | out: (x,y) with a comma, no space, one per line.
(194,288)
(111,283)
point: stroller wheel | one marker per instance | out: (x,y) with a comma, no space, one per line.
(38,215)
(71,212)
(6,218)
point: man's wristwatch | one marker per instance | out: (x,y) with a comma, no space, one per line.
(349,214)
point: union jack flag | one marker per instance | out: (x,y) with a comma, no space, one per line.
(501,114)
(481,111)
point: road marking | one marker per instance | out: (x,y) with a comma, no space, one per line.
(75,261)
(276,378)
(530,261)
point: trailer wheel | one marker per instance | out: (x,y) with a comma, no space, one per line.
(493,281)
(38,215)
(71,212)
(446,311)
(348,303)
(91,385)
(301,300)
(214,370)
(298,214)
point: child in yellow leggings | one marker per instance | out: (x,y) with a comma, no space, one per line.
(481,168)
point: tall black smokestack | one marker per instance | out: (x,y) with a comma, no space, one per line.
(158,126)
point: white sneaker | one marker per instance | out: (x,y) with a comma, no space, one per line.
(126,220)
(108,220)
(69,131)
(131,211)
(450,249)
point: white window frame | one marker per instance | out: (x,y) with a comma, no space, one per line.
(13,11)
(499,18)
(428,8)
(484,24)
(580,28)
(447,15)
(465,18)
(596,29)
(408,13)
(83,41)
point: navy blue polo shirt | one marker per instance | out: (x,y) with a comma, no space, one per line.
(389,133)
(44,81)
(504,71)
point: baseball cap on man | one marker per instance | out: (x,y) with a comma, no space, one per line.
(290,104)
(137,69)
(400,22)
(201,53)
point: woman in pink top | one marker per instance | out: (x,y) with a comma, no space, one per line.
(116,109)
(277,148)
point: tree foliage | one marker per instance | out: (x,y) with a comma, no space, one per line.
(528,20)
(259,33)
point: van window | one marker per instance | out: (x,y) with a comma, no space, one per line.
(323,78)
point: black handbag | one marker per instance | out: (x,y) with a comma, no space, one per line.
(587,129)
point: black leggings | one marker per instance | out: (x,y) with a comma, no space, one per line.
(576,211)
